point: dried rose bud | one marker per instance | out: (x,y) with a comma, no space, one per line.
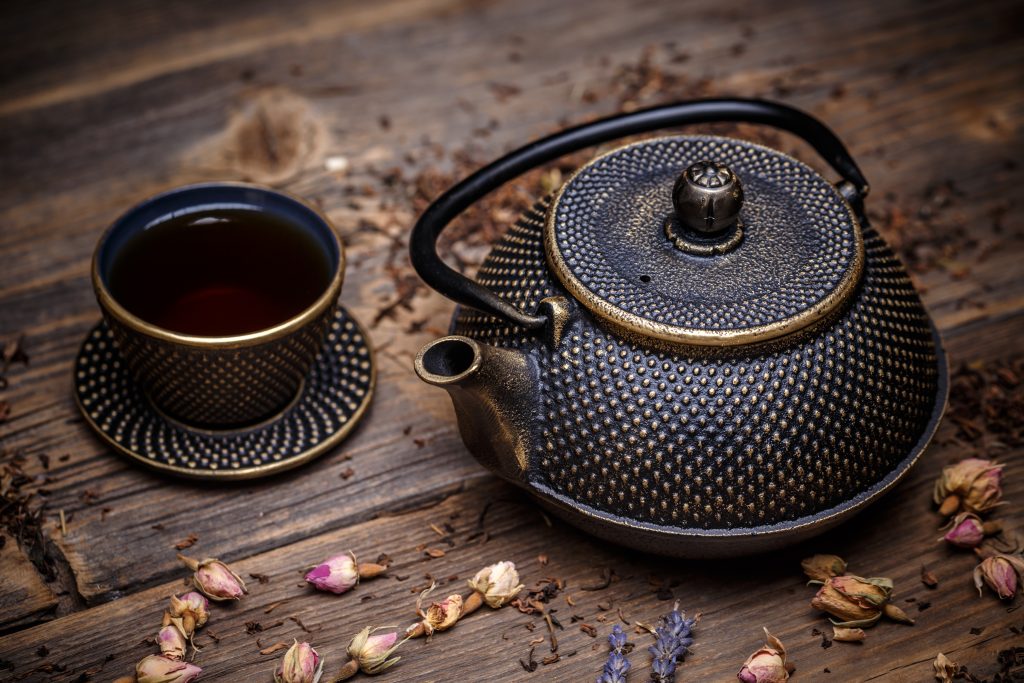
(172,642)
(966,531)
(215,579)
(441,616)
(336,574)
(986,491)
(497,584)
(160,669)
(300,664)
(973,483)
(823,567)
(945,669)
(767,665)
(192,608)
(1000,572)
(853,600)
(848,635)
(372,653)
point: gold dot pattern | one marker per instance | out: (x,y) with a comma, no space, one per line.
(330,401)
(721,438)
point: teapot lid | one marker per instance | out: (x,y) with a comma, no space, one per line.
(704,240)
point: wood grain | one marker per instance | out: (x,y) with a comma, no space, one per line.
(101,108)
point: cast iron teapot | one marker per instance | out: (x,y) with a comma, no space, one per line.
(698,346)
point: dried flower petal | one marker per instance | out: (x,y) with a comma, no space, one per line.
(1001,573)
(172,642)
(336,574)
(300,664)
(373,652)
(823,567)
(498,584)
(215,579)
(768,664)
(160,669)
(945,670)
(848,635)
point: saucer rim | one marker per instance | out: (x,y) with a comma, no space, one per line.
(243,473)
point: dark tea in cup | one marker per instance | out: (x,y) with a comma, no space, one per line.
(220,273)
(219,297)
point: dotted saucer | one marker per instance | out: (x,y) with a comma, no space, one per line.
(331,402)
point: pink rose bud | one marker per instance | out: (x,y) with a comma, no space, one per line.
(372,652)
(498,584)
(215,579)
(1000,573)
(192,608)
(767,665)
(172,642)
(966,531)
(336,574)
(160,669)
(300,664)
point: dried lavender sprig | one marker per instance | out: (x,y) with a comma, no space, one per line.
(617,666)
(673,641)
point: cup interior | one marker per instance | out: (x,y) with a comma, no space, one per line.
(205,200)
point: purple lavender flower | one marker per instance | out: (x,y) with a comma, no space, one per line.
(617,666)
(672,644)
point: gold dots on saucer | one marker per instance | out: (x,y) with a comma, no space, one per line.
(330,403)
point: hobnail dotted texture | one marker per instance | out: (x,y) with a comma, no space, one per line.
(229,386)
(339,383)
(799,239)
(729,438)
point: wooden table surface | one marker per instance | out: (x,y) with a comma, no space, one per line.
(104,104)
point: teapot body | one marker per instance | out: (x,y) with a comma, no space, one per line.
(709,452)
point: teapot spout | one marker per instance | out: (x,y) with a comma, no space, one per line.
(494,391)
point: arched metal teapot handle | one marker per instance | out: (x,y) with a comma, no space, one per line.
(459,288)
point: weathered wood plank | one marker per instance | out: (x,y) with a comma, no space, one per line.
(894,538)
(24,596)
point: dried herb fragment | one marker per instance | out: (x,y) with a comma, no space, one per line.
(928,578)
